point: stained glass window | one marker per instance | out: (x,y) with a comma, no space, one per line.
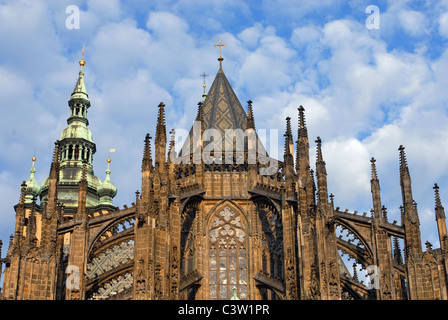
(227,255)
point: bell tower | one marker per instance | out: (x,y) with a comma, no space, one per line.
(76,147)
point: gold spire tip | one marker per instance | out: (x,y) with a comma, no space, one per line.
(82,62)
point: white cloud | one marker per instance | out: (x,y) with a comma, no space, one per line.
(303,36)
(443,25)
(269,67)
(361,95)
(117,50)
(348,172)
(107,9)
(250,36)
(413,22)
(10,190)
(294,11)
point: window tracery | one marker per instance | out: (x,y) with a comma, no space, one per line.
(272,240)
(227,255)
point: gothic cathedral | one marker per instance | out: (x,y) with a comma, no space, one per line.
(240,225)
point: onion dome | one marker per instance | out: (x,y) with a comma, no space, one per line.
(32,187)
(107,189)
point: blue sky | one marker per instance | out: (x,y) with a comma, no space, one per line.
(365,91)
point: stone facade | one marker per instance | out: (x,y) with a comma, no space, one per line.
(204,229)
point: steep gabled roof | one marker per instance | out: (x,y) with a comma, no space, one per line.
(221,110)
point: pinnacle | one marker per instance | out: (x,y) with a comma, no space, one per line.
(374,173)
(147,159)
(302,131)
(161,128)
(319,149)
(250,115)
(437,196)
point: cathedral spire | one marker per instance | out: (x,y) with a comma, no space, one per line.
(147,158)
(79,102)
(20,217)
(441,220)
(438,202)
(302,130)
(160,139)
(320,163)
(410,214)
(374,173)
(161,126)
(302,151)
(405,181)
(375,190)
(75,147)
(80,88)
(147,172)
(54,169)
(404,170)
(288,157)
(51,214)
(250,116)
(53,179)
(76,140)
(321,174)
(289,145)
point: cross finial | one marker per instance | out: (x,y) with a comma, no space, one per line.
(220,45)
(204,75)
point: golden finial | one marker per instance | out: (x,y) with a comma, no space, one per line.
(34,159)
(82,62)
(204,75)
(110,150)
(220,45)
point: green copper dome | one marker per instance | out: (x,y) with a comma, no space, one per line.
(107,189)
(32,187)
(76,146)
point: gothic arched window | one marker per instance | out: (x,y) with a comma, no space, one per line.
(187,241)
(272,259)
(227,255)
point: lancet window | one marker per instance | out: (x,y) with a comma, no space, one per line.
(227,255)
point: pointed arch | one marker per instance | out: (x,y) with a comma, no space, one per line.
(218,206)
(110,256)
(362,251)
(270,281)
(226,227)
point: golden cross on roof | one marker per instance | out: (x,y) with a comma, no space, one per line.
(220,45)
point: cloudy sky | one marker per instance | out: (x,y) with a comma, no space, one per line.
(365,91)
